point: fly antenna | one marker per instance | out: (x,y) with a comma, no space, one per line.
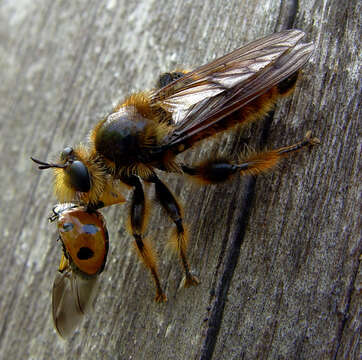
(43,165)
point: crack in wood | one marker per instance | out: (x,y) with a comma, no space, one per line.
(346,314)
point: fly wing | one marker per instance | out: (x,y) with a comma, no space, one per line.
(71,297)
(204,96)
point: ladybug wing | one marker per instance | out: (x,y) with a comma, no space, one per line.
(71,297)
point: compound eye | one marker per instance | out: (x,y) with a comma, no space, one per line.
(79,176)
(66,153)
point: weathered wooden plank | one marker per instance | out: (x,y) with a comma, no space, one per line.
(280,253)
(299,258)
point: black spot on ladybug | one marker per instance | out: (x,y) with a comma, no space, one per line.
(90,229)
(85,253)
(68,227)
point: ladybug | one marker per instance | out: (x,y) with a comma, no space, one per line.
(84,238)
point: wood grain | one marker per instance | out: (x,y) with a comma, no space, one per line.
(278,256)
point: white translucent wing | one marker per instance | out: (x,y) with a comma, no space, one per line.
(225,72)
(206,95)
(71,297)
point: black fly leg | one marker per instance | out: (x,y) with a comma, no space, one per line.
(179,238)
(137,226)
(218,171)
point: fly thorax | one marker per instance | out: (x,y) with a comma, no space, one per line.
(119,139)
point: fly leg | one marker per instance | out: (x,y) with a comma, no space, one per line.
(179,238)
(218,171)
(137,224)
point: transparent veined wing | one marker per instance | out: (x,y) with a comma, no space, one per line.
(71,297)
(206,95)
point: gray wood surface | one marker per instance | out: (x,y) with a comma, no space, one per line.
(278,256)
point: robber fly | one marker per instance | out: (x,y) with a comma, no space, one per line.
(149,129)
(84,238)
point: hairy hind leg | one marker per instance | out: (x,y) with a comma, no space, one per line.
(218,171)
